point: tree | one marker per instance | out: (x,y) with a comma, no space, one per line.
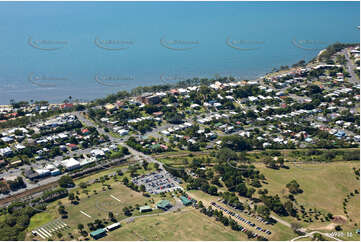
(125,181)
(250,192)
(242,189)
(127,211)
(80,227)
(289,208)
(111,216)
(235,142)
(263,211)
(71,197)
(66,181)
(83,185)
(294,187)
(212,190)
(338,228)
(119,172)
(62,211)
(318,237)
(145,165)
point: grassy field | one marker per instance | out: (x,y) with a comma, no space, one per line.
(279,231)
(97,203)
(188,225)
(324,186)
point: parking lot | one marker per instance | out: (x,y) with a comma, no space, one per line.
(243,220)
(156,182)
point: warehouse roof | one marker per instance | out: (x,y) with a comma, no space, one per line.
(70,163)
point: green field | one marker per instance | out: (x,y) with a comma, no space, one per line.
(324,186)
(188,225)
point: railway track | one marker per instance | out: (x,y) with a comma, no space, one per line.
(27,193)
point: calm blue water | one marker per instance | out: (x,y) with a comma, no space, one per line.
(151,43)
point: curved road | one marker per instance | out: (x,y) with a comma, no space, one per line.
(313,232)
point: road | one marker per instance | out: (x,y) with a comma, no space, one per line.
(138,155)
(281,221)
(314,232)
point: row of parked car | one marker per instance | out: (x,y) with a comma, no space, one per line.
(242,219)
(262,220)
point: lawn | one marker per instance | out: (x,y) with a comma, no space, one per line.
(324,185)
(188,225)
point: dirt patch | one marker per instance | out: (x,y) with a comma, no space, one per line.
(339,219)
(329,227)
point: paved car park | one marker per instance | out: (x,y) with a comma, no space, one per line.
(156,182)
(243,220)
(260,219)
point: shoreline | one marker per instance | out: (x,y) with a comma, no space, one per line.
(259,76)
(256,77)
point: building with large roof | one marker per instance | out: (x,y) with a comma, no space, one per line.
(145,209)
(113,226)
(185,200)
(163,204)
(98,233)
(70,164)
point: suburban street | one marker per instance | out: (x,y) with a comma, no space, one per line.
(138,155)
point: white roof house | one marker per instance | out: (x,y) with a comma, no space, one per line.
(165,132)
(123,132)
(5,151)
(7,139)
(97,152)
(19,147)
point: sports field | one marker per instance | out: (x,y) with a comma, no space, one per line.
(96,204)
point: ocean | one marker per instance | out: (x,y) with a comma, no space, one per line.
(53,50)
